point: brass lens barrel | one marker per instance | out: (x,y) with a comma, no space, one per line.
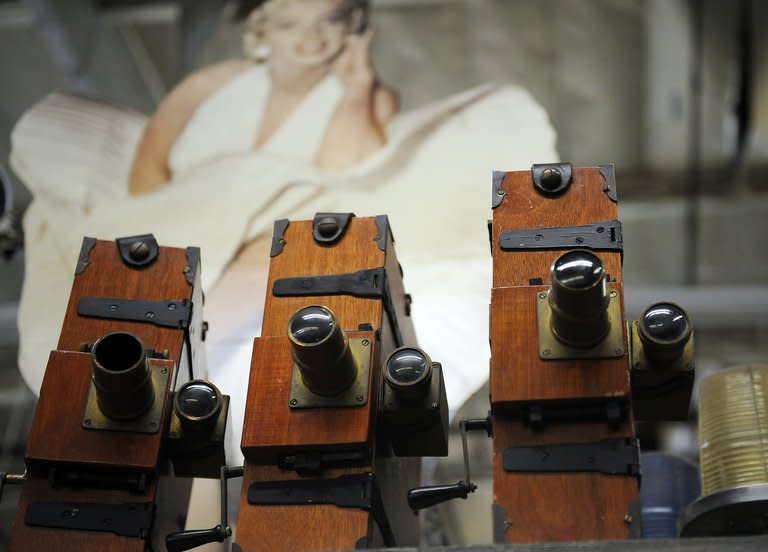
(121,376)
(408,372)
(321,351)
(733,428)
(197,404)
(579,299)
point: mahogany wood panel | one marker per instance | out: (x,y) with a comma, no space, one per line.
(519,375)
(57,434)
(523,207)
(271,426)
(301,256)
(544,507)
(34,539)
(108,276)
(300,528)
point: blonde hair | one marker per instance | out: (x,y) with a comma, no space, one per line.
(253,34)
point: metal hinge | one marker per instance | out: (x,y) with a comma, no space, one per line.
(602,236)
(131,519)
(619,456)
(168,313)
(370,283)
(359,491)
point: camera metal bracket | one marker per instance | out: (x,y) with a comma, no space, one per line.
(129,519)
(551,348)
(149,422)
(354,395)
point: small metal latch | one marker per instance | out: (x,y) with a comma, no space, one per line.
(369,283)
(84,260)
(359,491)
(551,179)
(328,228)
(609,187)
(620,456)
(138,251)
(497,190)
(601,236)
(169,313)
(130,519)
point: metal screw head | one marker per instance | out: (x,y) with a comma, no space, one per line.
(543,295)
(618,351)
(614,293)
(294,402)
(359,398)
(327,227)
(365,342)
(150,314)
(153,425)
(546,352)
(87,421)
(164,370)
(627,518)
(139,250)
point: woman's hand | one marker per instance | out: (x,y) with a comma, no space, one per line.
(353,66)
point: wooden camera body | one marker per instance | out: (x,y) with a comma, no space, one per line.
(320,473)
(98,447)
(566,461)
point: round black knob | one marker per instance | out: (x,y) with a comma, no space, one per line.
(139,251)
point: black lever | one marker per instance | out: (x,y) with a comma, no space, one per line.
(186,540)
(425,497)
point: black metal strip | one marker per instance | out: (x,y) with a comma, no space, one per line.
(84,260)
(358,491)
(370,283)
(169,313)
(278,237)
(130,519)
(604,236)
(620,456)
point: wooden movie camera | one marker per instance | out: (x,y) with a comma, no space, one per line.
(108,420)
(341,404)
(563,400)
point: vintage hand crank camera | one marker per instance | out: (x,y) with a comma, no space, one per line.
(341,404)
(100,439)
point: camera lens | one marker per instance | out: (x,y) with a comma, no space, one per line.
(665,322)
(579,299)
(321,351)
(311,325)
(121,376)
(665,329)
(578,270)
(198,399)
(408,372)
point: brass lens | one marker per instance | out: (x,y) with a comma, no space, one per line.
(121,376)
(321,351)
(664,329)
(579,299)
(409,372)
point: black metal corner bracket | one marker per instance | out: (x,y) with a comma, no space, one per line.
(278,237)
(497,191)
(328,228)
(193,264)
(358,491)
(552,179)
(609,175)
(369,283)
(382,229)
(618,456)
(138,251)
(84,260)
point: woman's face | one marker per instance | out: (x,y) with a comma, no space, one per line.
(307,32)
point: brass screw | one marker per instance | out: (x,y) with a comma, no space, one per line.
(542,295)
(359,398)
(294,402)
(164,371)
(618,351)
(87,421)
(627,518)
(365,342)
(613,293)
(546,352)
